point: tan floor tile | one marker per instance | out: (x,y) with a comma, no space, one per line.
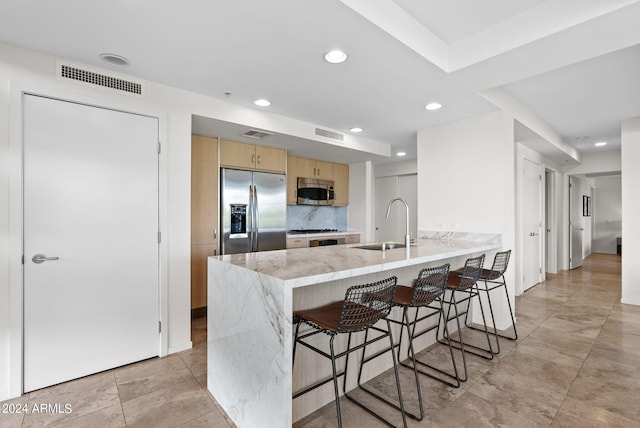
(111,417)
(214,419)
(12,412)
(84,396)
(608,385)
(576,413)
(472,410)
(151,375)
(195,359)
(553,345)
(625,334)
(169,407)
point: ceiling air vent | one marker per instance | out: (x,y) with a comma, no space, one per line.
(86,76)
(252,133)
(329,134)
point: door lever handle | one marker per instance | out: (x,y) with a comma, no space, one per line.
(41,258)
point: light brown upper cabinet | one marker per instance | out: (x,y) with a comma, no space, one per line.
(341,184)
(204,213)
(251,157)
(312,168)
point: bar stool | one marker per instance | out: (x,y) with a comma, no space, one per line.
(495,275)
(465,283)
(362,307)
(426,292)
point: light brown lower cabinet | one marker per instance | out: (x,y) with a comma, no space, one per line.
(199,254)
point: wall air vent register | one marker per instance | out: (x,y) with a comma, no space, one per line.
(97,78)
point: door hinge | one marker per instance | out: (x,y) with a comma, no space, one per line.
(23,259)
(540,270)
(159,147)
(159,237)
(540,177)
(159,326)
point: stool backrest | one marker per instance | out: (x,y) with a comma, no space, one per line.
(500,263)
(429,285)
(471,271)
(366,304)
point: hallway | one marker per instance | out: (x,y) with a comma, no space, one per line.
(575,364)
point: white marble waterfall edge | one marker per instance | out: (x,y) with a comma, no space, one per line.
(248,370)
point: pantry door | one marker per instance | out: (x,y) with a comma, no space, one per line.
(90,240)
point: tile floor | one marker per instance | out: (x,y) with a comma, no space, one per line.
(575,364)
(160,392)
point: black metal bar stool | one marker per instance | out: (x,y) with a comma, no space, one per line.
(362,307)
(466,283)
(495,276)
(425,293)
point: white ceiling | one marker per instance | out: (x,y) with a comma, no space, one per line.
(574,63)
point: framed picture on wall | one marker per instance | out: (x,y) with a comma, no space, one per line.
(586,206)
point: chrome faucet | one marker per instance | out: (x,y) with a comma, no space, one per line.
(407,237)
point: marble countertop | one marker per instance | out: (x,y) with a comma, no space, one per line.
(307,266)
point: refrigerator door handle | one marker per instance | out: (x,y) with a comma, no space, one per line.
(255,217)
(250,218)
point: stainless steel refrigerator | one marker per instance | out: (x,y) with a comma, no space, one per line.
(253,209)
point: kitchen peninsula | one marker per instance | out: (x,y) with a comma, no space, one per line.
(251,300)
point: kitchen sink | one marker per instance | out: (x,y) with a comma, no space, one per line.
(379,247)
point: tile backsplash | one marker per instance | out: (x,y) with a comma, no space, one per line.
(316,217)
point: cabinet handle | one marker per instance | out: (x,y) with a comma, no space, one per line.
(253,158)
(318,171)
(215,233)
(259,159)
(314,171)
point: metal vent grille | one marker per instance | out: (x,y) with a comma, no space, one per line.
(252,133)
(329,134)
(100,79)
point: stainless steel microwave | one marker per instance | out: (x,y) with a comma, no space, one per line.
(313,191)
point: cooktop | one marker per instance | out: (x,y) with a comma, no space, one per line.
(300,231)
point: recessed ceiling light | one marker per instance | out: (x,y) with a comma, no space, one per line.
(433,106)
(114,59)
(401,154)
(582,138)
(356,129)
(601,143)
(335,56)
(262,102)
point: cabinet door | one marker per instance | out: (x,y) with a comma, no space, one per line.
(352,239)
(341,184)
(323,170)
(271,159)
(296,243)
(237,155)
(199,254)
(295,168)
(204,189)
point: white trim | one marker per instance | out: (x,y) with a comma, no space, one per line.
(554,215)
(181,347)
(17,90)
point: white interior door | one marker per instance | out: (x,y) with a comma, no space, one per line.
(90,209)
(408,190)
(532,224)
(386,188)
(575,223)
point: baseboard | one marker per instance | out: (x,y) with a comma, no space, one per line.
(635,302)
(180,347)
(4,395)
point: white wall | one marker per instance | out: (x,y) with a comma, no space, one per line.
(630,155)
(39,70)
(360,200)
(607,214)
(466,181)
